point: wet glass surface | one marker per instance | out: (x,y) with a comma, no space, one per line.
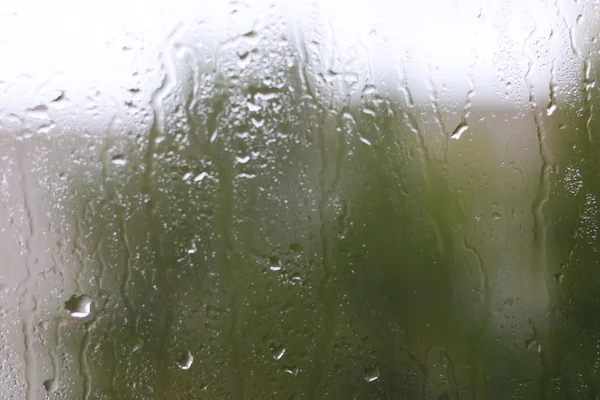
(286,200)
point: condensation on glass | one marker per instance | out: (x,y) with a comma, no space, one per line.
(285,200)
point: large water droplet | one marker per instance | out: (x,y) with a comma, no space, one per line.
(185,362)
(79,306)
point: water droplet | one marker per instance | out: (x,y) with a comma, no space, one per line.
(560,277)
(134,343)
(496,215)
(185,362)
(277,351)
(275,263)
(119,159)
(291,369)
(39,112)
(365,141)
(79,306)
(46,128)
(257,122)
(459,130)
(200,177)
(371,373)
(60,97)
(296,247)
(51,385)
(368,111)
(550,109)
(242,160)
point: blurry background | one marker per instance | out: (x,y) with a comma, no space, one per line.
(286,200)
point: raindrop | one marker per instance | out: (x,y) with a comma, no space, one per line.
(39,112)
(46,128)
(291,369)
(560,277)
(371,373)
(551,108)
(243,160)
(200,177)
(119,159)
(296,247)
(185,362)
(51,385)
(79,306)
(134,343)
(496,215)
(459,130)
(59,98)
(277,351)
(275,263)
(257,122)
(365,141)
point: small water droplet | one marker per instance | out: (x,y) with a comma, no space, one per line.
(496,215)
(200,177)
(560,277)
(371,373)
(257,122)
(185,362)
(551,108)
(242,160)
(368,111)
(296,247)
(134,343)
(291,369)
(459,130)
(119,159)
(60,97)
(365,141)
(275,263)
(46,128)
(277,351)
(79,306)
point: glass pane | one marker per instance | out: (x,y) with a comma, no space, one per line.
(290,200)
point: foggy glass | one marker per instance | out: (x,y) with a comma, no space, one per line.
(287,200)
